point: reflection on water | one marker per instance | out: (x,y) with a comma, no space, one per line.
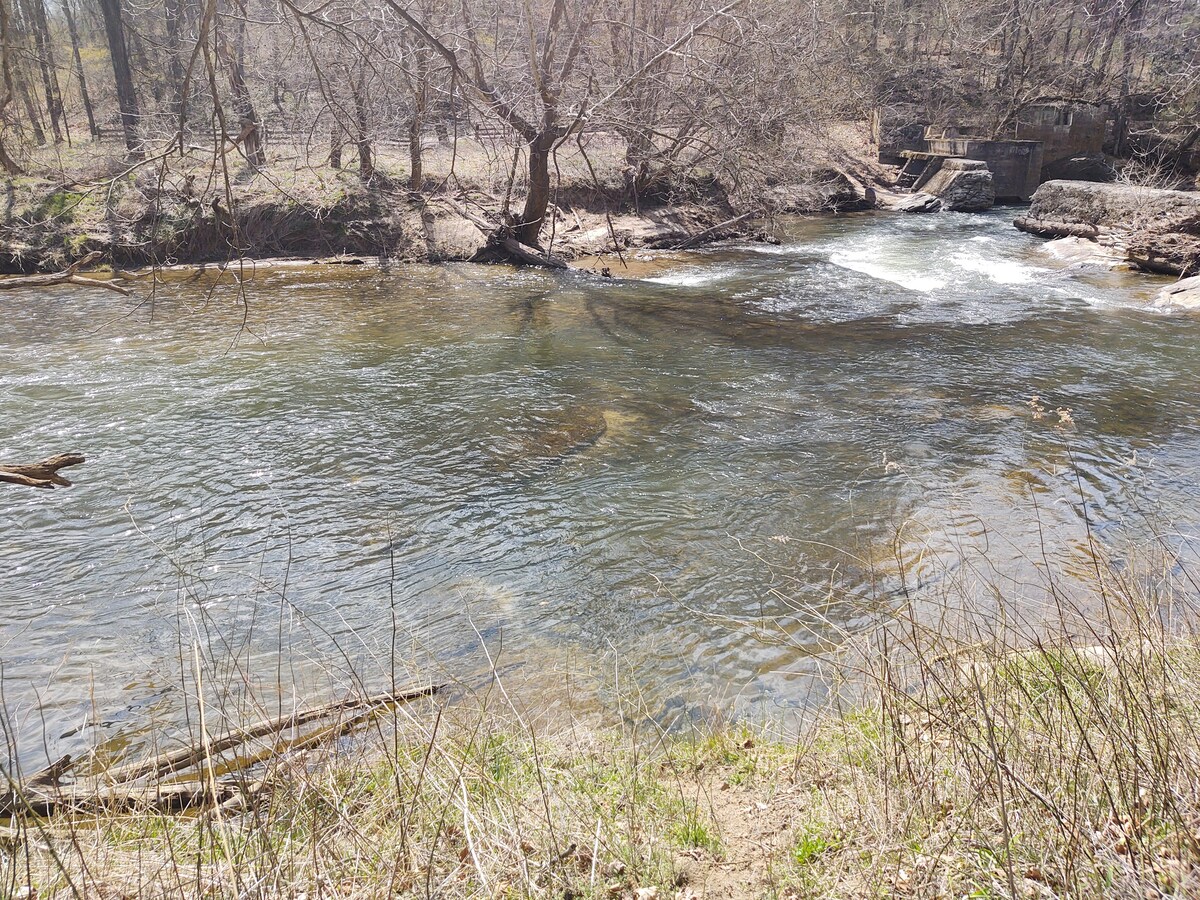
(569,469)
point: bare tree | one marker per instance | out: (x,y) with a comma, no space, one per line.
(250,133)
(35,15)
(7,91)
(127,97)
(93,128)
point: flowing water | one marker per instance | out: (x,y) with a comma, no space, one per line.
(643,476)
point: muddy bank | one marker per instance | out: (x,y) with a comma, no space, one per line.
(145,221)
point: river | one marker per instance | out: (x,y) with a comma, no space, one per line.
(682,485)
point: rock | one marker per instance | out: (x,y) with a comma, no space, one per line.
(551,438)
(1080,253)
(827,190)
(1079,168)
(963,185)
(1159,228)
(1183,294)
(915,203)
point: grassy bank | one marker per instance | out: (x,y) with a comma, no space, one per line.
(960,754)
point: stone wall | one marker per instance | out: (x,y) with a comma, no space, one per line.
(1065,129)
(1016,166)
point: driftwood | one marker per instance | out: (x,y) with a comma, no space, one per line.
(69,275)
(43,474)
(164,798)
(708,232)
(52,773)
(186,757)
(118,789)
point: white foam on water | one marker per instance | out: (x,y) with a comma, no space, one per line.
(1000,271)
(884,271)
(691,277)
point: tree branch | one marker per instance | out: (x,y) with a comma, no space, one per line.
(43,474)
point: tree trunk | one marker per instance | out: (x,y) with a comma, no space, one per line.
(335,147)
(537,199)
(417,122)
(415,163)
(174,63)
(10,165)
(83,89)
(35,14)
(114,29)
(35,121)
(251,133)
(1129,41)
(366,165)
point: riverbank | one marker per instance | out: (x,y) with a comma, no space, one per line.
(177,210)
(974,757)
(996,767)
(172,209)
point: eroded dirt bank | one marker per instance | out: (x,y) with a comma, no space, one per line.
(144,221)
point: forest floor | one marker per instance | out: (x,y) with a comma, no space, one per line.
(968,757)
(173,209)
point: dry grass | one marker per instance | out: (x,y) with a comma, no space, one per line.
(971,756)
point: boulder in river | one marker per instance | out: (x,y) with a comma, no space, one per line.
(963,185)
(1183,294)
(1157,230)
(914,203)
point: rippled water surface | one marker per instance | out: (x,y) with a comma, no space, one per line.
(577,472)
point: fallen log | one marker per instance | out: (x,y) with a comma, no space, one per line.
(164,798)
(178,760)
(43,474)
(69,275)
(708,232)
(530,256)
(50,775)
(118,790)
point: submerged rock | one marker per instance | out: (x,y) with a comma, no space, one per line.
(554,437)
(963,185)
(1077,252)
(1158,229)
